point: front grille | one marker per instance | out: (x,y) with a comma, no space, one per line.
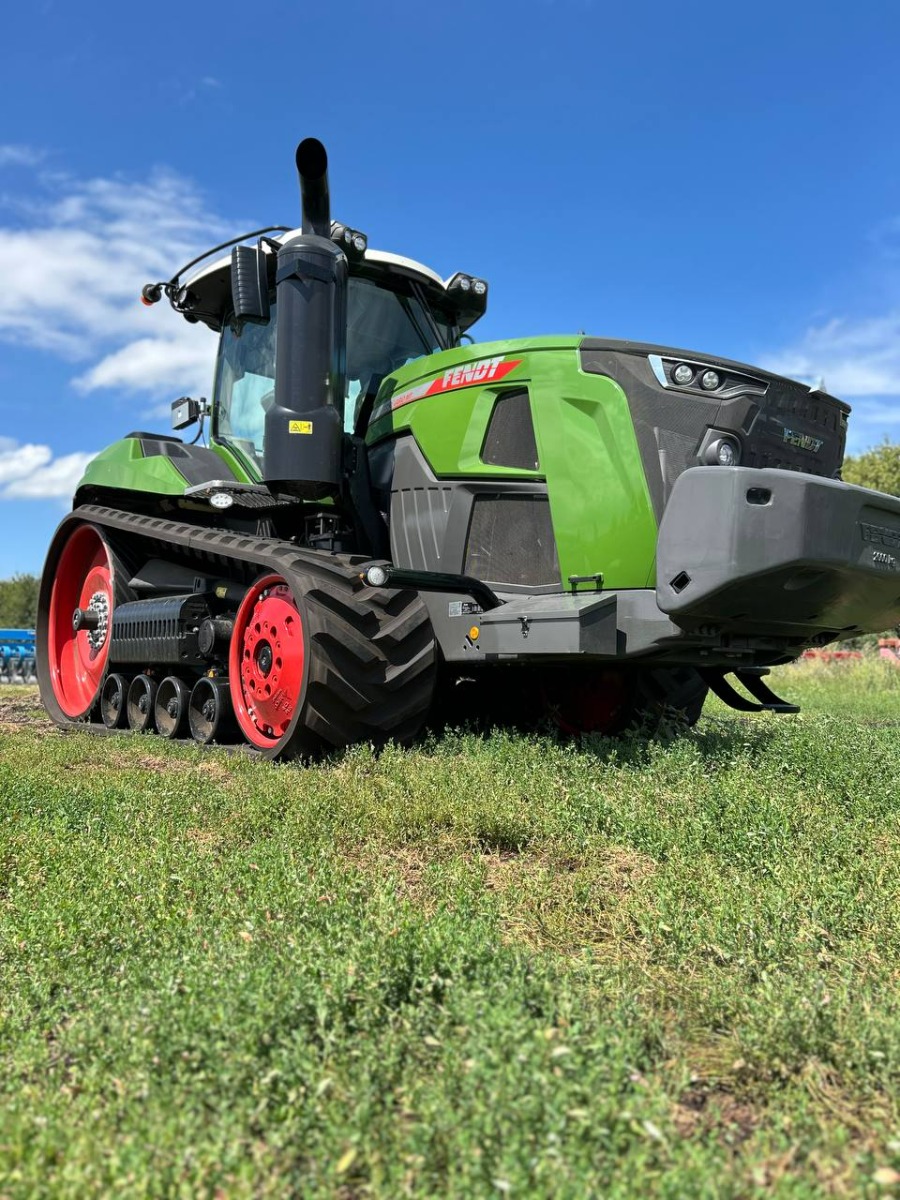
(511,541)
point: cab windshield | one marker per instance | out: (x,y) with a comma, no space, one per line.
(386,328)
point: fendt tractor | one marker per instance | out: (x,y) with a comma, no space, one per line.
(388,516)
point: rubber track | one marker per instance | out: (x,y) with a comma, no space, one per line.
(668,691)
(371,652)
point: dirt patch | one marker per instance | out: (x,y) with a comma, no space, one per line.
(207,840)
(21,708)
(615,869)
(702,1110)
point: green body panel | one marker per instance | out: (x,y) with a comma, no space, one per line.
(244,469)
(123,465)
(602,515)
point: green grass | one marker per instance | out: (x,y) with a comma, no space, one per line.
(490,966)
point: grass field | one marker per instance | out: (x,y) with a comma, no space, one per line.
(493,965)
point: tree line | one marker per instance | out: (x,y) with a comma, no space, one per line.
(878,468)
(18,602)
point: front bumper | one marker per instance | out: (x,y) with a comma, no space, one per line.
(758,551)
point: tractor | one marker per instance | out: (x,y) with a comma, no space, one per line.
(389,521)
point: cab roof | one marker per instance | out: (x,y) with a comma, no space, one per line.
(212,283)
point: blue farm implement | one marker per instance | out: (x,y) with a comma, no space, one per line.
(17,656)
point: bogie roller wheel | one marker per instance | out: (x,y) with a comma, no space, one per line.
(81,584)
(320,662)
(113,701)
(209,712)
(141,701)
(171,708)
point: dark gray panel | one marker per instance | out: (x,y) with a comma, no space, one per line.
(430,518)
(196,464)
(765,550)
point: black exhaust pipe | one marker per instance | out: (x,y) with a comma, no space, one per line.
(305,425)
(315,203)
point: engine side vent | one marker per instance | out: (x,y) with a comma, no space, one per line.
(509,441)
(511,541)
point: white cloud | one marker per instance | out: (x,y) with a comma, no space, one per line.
(73,259)
(30,472)
(20,156)
(857,357)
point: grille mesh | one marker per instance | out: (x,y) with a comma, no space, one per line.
(509,441)
(511,541)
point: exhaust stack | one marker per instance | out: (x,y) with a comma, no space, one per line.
(315,202)
(305,425)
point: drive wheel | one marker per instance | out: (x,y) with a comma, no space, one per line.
(267,662)
(318,662)
(78,594)
(587,702)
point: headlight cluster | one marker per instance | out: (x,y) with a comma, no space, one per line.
(722,380)
(684,375)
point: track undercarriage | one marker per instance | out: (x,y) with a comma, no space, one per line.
(159,625)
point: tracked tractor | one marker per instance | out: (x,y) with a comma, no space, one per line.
(387,517)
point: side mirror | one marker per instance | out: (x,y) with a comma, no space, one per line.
(250,284)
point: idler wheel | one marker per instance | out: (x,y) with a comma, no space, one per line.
(79,620)
(113,702)
(171,708)
(141,699)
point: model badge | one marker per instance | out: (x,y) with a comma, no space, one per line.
(880,559)
(803,441)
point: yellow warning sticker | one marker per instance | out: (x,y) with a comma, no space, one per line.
(300,426)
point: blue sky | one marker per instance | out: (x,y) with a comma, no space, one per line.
(703,175)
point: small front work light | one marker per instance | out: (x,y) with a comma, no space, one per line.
(709,381)
(723,452)
(683,374)
(479,287)
(375,576)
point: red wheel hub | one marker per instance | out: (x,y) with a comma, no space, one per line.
(77,659)
(266,662)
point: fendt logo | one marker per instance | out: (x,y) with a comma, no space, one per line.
(483,370)
(880,535)
(803,441)
(476,372)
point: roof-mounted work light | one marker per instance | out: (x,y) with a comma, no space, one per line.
(469,292)
(351,241)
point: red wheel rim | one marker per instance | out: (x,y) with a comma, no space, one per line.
(84,579)
(589,705)
(266,662)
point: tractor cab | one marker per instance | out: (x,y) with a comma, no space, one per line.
(397,311)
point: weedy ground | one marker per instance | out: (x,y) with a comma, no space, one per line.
(489,966)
